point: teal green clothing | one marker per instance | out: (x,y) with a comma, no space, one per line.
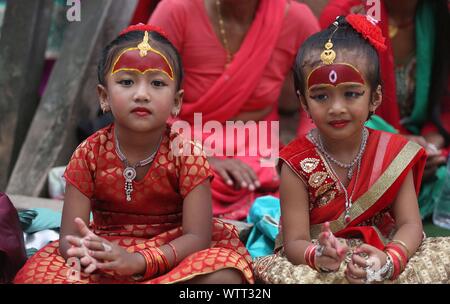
(265,216)
(425,42)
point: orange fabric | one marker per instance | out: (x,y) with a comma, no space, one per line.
(47,266)
(152,218)
(327,200)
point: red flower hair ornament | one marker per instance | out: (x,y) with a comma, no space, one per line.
(367,27)
(144,27)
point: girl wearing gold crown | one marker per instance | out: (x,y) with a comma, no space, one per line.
(348,194)
(149,193)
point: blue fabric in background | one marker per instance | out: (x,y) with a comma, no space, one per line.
(265,216)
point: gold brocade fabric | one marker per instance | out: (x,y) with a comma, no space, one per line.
(430,264)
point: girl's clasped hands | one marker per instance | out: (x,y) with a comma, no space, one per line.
(363,267)
(96,253)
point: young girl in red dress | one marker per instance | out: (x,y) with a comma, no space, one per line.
(148,189)
(348,194)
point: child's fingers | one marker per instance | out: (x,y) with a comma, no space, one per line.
(328,251)
(102,255)
(356,271)
(74,240)
(82,227)
(365,248)
(353,279)
(359,261)
(326,227)
(95,245)
(91,268)
(327,262)
(324,239)
(78,252)
(86,260)
(341,248)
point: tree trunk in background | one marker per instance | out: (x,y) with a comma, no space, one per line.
(22,54)
(51,139)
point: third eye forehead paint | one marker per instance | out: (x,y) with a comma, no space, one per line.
(142,58)
(334,74)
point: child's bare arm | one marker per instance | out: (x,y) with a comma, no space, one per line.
(295,215)
(407,217)
(197,224)
(76,204)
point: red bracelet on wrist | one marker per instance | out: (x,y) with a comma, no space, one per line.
(310,256)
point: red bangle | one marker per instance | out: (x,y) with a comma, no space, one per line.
(399,249)
(175,262)
(310,256)
(396,263)
(163,264)
(403,259)
(151,267)
(156,262)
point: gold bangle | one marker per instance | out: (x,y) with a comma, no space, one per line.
(408,253)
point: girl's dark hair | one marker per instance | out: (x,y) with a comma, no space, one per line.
(345,38)
(441,66)
(133,38)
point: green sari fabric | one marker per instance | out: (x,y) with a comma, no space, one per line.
(425,37)
(425,41)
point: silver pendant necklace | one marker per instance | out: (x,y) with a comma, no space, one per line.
(129,173)
(349,166)
(357,160)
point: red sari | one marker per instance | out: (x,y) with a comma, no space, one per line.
(387,160)
(153,217)
(251,82)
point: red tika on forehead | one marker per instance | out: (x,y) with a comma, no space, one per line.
(334,74)
(131,60)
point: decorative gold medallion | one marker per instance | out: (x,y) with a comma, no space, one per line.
(328,55)
(317,179)
(309,164)
(144,46)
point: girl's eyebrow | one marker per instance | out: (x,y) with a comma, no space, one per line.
(319,87)
(351,85)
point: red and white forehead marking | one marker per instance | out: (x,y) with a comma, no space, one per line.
(334,74)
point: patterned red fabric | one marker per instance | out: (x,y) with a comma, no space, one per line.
(327,199)
(47,266)
(152,218)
